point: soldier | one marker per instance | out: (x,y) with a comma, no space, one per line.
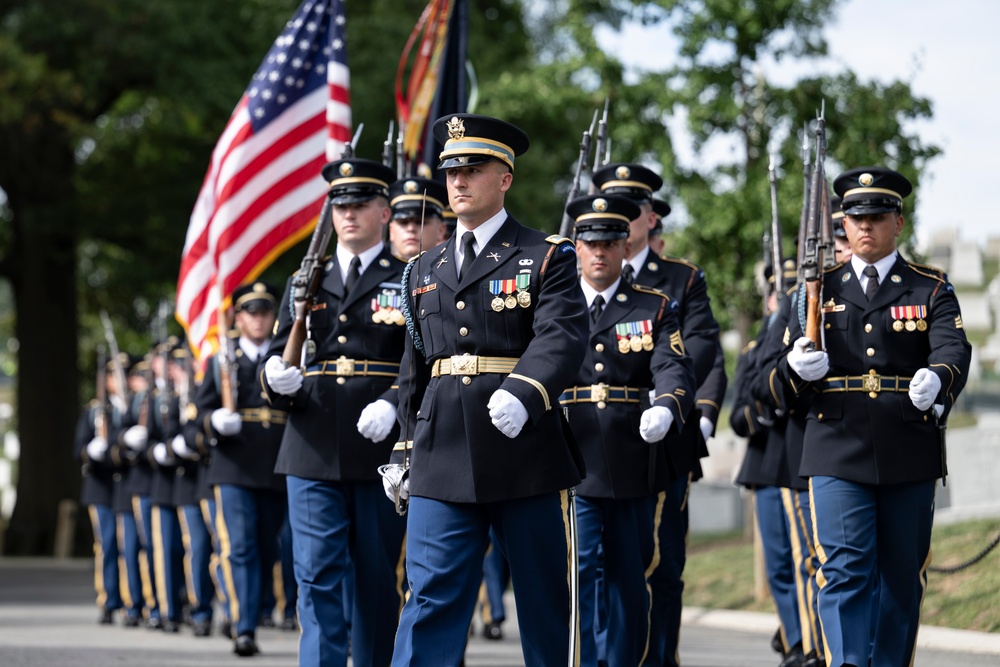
(341,426)
(841,246)
(416,223)
(635,346)
(243,445)
(498,331)
(661,209)
(98,425)
(685,284)
(896,358)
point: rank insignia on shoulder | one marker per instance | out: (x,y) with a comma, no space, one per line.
(677,343)
(555,239)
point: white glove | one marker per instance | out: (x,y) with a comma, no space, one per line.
(161,454)
(226,422)
(120,405)
(391,474)
(808,364)
(135,437)
(706,427)
(283,379)
(181,449)
(924,388)
(655,422)
(96,449)
(377,419)
(508,413)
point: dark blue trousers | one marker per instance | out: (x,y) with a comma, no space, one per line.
(772,522)
(128,561)
(208,510)
(496,577)
(798,510)
(332,521)
(102,519)
(197,560)
(285,587)
(168,562)
(622,527)
(669,514)
(142,511)
(446,544)
(868,534)
(248,522)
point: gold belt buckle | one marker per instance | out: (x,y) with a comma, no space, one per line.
(465,364)
(872,382)
(598,393)
(345,367)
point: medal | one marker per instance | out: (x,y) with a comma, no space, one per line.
(623,345)
(377,317)
(921,325)
(497,304)
(511,301)
(635,343)
(897,325)
(522,282)
(496,287)
(911,325)
(523,299)
(647,342)
(397,317)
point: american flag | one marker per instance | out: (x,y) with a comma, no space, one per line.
(263,190)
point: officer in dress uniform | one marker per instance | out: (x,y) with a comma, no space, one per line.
(499,328)
(99,424)
(341,426)
(895,359)
(635,346)
(417,221)
(661,209)
(243,445)
(771,470)
(685,284)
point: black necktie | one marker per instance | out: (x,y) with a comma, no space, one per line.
(469,254)
(596,308)
(872,285)
(628,273)
(353,274)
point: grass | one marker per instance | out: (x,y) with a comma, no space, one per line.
(719,574)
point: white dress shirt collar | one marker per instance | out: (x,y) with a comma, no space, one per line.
(344,257)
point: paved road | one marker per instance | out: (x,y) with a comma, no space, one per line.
(48,619)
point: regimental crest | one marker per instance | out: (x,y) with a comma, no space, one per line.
(346,169)
(677,343)
(623,173)
(600,205)
(463,159)
(456,128)
(410,187)
(866,179)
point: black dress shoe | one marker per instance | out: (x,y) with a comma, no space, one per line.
(813,660)
(106,617)
(202,628)
(776,643)
(171,626)
(225,629)
(131,621)
(795,658)
(245,646)
(290,625)
(266,622)
(492,631)
(155,623)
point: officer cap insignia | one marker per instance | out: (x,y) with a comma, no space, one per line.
(462,159)
(600,205)
(623,172)
(865,179)
(410,187)
(346,169)
(456,128)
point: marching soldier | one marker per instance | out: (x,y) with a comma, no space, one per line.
(635,346)
(417,222)
(895,359)
(499,328)
(98,425)
(685,284)
(243,445)
(661,209)
(341,426)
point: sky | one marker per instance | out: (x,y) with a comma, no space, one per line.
(950,54)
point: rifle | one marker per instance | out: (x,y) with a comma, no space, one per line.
(566,228)
(116,360)
(805,195)
(602,149)
(226,357)
(164,354)
(400,153)
(813,256)
(101,391)
(774,236)
(306,280)
(387,148)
